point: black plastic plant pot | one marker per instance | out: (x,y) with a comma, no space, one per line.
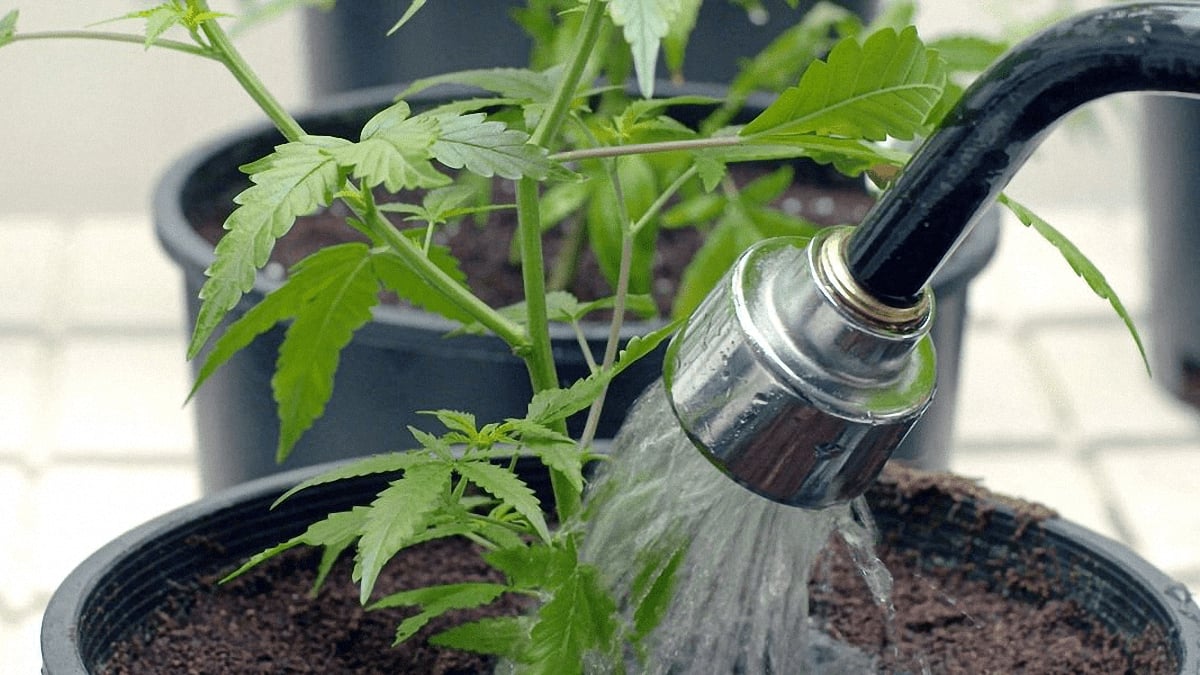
(348,46)
(1171,174)
(402,362)
(116,591)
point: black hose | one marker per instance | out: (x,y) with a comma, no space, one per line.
(999,122)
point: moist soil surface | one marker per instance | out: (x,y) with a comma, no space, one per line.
(946,619)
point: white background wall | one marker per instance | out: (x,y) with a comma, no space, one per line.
(87,127)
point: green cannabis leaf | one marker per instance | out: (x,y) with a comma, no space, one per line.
(294,180)
(8,27)
(505,636)
(645,24)
(1080,264)
(489,148)
(394,149)
(336,532)
(435,601)
(578,618)
(409,13)
(508,488)
(342,290)
(884,87)
(397,514)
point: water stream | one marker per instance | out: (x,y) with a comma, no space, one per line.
(741,600)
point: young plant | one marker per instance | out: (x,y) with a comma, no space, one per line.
(570,145)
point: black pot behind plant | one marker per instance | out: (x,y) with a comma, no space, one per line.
(401,362)
(1172,174)
(147,573)
(349,48)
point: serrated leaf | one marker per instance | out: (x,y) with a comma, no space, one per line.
(294,180)
(579,618)
(560,455)
(489,148)
(653,589)
(551,405)
(510,83)
(504,636)
(8,27)
(376,464)
(396,516)
(504,485)
(344,291)
(1081,266)
(401,279)
(437,600)
(530,567)
(883,88)
(394,149)
(335,532)
(645,23)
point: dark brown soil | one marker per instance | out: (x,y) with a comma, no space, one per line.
(949,619)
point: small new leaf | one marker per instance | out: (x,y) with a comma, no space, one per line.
(1080,264)
(396,516)
(293,181)
(489,148)
(8,27)
(509,489)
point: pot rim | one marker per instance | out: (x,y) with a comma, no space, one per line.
(61,622)
(193,252)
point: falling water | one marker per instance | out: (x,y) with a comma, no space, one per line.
(741,595)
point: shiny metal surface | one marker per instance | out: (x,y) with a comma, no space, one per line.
(793,387)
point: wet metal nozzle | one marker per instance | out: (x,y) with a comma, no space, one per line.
(793,380)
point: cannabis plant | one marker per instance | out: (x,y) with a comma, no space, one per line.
(570,135)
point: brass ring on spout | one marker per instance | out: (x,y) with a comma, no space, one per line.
(834,272)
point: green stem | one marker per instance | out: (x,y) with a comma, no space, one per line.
(245,75)
(108,36)
(647,148)
(540,357)
(556,113)
(414,257)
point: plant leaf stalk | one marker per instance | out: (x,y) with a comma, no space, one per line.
(540,358)
(112,36)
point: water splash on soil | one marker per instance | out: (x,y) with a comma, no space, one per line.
(741,595)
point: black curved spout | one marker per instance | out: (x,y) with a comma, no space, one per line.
(1001,119)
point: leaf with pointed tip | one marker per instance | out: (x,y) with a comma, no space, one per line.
(391,462)
(645,23)
(489,148)
(435,601)
(8,27)
(511,83)
(503,636)
(578,618)
(403,280)
(343,291)
(551,405)
(294,180)
(883,88)
(335,532)
(396,516)
(409,13)
(1081,265)
(653,587)
(508,488)
(394,149)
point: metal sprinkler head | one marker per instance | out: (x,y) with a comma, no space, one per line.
(805,368)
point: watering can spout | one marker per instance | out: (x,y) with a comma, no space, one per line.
(801,373)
